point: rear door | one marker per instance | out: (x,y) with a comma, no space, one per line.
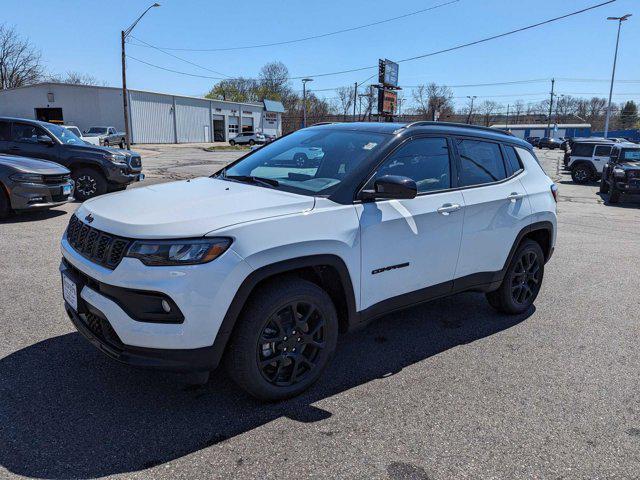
(5,136)
(601,155)
(495,210)
(24,142)
(412,244)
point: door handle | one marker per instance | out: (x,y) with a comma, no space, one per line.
(513,196)
(448,208)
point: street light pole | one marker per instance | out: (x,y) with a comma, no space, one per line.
(304,100)
(123,37)
(472,97)
(613,73)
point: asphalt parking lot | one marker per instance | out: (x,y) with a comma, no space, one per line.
(444,390)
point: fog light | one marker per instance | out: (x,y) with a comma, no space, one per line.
(165,306)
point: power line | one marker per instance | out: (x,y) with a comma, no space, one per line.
(174,71)
(313,37)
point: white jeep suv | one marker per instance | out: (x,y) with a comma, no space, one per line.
(263,264)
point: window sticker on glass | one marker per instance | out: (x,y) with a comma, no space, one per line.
(370,146)
(632,155)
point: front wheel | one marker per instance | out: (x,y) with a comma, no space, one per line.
(88,183)
(284,339)
(604,185)
(122,144)
(614,194)
(252,143)
(232,143)
(522,281)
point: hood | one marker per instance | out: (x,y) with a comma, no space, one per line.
(90,148)
(189,208)
(32,165)
(629,165)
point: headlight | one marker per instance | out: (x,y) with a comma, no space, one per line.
(618,172)
(178,252)
(26,177)
(116,158)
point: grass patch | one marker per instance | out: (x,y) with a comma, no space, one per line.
(222,148)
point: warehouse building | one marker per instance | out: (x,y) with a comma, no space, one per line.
(153,117)
(560,130)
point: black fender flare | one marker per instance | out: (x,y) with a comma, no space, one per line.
(267,271)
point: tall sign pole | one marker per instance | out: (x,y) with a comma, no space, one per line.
(125,103)
(553,82)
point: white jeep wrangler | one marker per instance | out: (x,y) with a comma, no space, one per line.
(263,264)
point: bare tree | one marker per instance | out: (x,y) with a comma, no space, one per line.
(488,109)
(345,100)
(76,78)
(421,99)
(19,60)
(596,107)
(518,108)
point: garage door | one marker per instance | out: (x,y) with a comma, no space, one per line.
(192,120)
(247,124)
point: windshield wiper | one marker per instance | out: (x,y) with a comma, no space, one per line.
(270,182)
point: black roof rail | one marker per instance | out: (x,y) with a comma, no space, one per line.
(426,123)
(322,123)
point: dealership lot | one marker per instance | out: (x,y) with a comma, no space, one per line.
(447,389)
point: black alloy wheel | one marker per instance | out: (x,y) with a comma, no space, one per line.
(581,173)
(106,143)
(88,183)
(290,343)
(525,281)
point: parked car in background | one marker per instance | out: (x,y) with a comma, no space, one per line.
(549,142)
(107,136)
(76,131)
(587,158)
(260,267)
(621,174)
(248,138)
(269,138)
(303,157)
(94,169)
(533,140)
(31,184)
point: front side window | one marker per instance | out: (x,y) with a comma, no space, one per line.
(424,160)
(603,151)
(5,131)
(481,162)
(98,130)
(25,133)
(310,162)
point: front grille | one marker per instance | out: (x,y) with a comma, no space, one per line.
(135,161)
(99,247)
(55,179)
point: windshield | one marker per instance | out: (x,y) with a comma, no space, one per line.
(633,155)
(311,162)
(65,135)
(97,130)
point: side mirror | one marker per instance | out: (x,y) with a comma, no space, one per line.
(45,140)
(391,187)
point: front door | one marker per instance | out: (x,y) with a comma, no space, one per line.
(25,141)
(410,245)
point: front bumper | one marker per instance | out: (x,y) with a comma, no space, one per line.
(35,196)
(631,186)
(123,174)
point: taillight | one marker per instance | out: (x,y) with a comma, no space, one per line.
(554,191)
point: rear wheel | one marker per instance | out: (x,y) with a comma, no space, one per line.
(284,339)
(5,207)
(581,173)
(521,282)
(89,183)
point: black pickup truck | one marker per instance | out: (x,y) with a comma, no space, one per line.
(622,173)
(95,170)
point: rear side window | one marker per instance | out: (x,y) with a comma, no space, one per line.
(424,160)
(582,149)
(5,131)
(603,151)
(512,160)
(23,132)
(481,162)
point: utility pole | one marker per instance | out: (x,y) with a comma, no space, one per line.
(507,119)
(355,99)
(553,83)
(613,73)
(125,103)
(304,100)
(472,97)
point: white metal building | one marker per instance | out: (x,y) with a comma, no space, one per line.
(559,130)
(153,117)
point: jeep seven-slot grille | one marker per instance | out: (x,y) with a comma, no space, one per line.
(99,247)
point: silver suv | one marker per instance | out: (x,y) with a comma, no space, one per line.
(248,138)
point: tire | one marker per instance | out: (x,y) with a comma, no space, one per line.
(106,143)
(581,173)
(5,207)
(232,143)
(267,315)
(122,144)
(604,185)
(89,183)
(522,281)
(614,194)
(300,159)
(252,143)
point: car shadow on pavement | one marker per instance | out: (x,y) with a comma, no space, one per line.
(67,411)
(32,216)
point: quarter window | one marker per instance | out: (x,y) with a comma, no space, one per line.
(481,162)
(602,151)
(513,162)
(425,160)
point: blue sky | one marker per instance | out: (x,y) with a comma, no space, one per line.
(84,37)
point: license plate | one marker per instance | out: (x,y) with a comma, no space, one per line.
(70,292)
(66,190)
(140,177)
